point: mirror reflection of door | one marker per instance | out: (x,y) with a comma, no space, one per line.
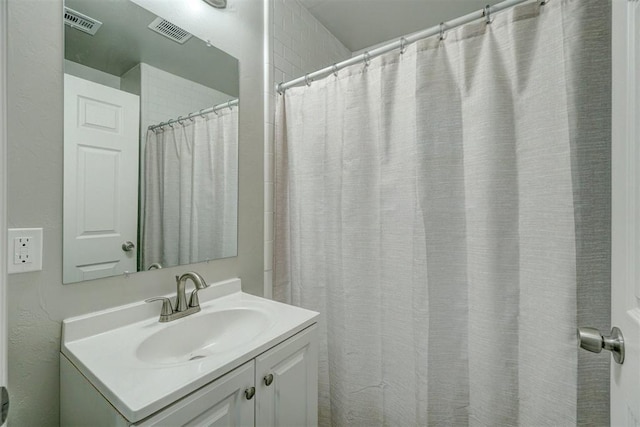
(100,180)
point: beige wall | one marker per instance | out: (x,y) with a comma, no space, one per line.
(38,301)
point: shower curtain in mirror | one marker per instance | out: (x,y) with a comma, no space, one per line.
(190,202)
(446,210)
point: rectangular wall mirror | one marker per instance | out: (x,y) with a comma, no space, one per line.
(150,143)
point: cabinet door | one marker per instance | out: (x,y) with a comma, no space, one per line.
(291,396)
(221,403)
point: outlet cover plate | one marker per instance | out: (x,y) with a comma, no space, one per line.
(35,250)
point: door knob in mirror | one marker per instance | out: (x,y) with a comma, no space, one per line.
(128,246)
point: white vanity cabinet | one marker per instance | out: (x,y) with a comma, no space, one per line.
(290,399)
(287,382)
(224,402)
(241,360)
(277,388)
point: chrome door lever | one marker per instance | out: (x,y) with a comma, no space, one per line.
(591,340)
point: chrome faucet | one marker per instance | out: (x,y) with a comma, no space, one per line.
(181,282)
(182,309)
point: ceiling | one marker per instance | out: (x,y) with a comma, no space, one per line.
(359,24)
(124,40)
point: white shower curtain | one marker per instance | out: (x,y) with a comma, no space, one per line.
(447,211)
(191,191)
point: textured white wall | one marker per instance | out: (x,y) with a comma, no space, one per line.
(38,301)
(297,44)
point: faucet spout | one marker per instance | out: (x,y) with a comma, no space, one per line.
(181,283)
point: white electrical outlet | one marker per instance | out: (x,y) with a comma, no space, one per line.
(24,249)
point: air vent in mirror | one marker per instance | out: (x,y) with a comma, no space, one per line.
(81,22)
(169,30)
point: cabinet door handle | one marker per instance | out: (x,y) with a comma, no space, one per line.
(268,380)
(250,392)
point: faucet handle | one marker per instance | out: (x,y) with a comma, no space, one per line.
(194,301)
(167,308)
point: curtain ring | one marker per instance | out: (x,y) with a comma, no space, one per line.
(367,59)
(170,125)
(180,121)
(334,67)
(190,117)
(403,45)
(443,35)
(487,14)
(307,80)
(229,105)
(200,113)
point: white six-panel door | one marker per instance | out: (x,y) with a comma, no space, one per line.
(101,128)
(625,278)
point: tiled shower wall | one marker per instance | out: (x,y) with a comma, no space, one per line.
(301,44)
(295,44)
(186,96)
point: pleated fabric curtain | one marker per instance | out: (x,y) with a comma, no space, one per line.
(447,212)
(191,187)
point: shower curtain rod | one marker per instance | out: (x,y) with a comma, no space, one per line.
(403,42)
(201,113)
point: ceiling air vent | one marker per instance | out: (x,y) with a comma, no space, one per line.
(169,30)
(81,22)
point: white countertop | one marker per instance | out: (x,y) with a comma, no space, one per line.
(103,346)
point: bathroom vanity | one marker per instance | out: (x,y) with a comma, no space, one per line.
(242,360)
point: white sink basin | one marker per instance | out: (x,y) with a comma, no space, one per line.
(141,365)
(197,337)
